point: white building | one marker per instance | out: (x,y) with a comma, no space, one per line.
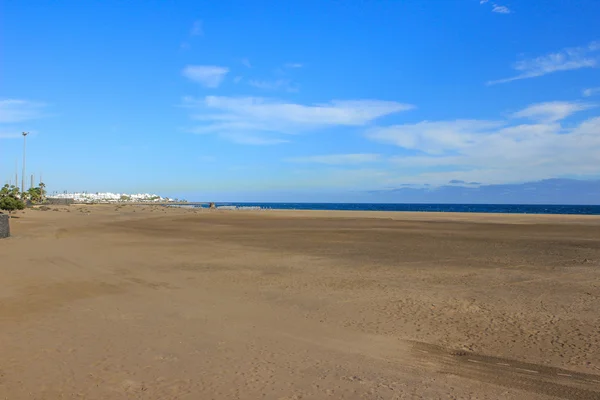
(112,197)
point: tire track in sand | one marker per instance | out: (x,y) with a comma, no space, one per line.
(534,378)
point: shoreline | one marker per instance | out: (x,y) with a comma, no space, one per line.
(416,208)
(520,209)
(443,216)
(425,216)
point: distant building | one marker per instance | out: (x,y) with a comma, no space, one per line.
(112,198)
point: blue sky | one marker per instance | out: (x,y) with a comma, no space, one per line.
(311,100)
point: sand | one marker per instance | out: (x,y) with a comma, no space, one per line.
(144,302)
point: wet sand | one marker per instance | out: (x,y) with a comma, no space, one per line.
(145,302)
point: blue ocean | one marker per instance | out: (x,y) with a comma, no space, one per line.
(468,208)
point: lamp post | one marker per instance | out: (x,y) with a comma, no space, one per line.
(23,174)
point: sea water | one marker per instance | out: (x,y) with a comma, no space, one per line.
(468,208)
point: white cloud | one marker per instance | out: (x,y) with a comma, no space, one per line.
(564,60)
(246,63)
(591,91)
(197,29)
(338,159)
(494,152)
(279,84)
(237,79)
(15,114)
(433,137)
(258,117)
(497,8)
(210,76)
(13,110)
(338,112)
(292,117)
(10,135)
(501,9)
(551,111)
(293,65)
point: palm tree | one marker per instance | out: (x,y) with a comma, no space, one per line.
(35,194)
(10,191)
(42,191)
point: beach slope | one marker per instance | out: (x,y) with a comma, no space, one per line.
(146,302)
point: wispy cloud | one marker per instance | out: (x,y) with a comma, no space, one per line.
(551,111)
(246,63)
(495,151)
(278,84)
(433,137)
(282,81)
(338,159)
(500,9)
(255,117)
(591,91)
(197,28)
(9,135)
(210,76)
(14,115)
(13,110)
(337,112)
(564,60)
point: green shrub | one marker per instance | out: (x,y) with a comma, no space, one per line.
(11,199)
(11,204)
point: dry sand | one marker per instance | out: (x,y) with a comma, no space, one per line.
(105,302)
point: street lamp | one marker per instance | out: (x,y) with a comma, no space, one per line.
(23,174)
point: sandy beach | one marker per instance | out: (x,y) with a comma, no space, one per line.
(147,302)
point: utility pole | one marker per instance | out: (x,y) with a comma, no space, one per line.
(23,173)
(31,181)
